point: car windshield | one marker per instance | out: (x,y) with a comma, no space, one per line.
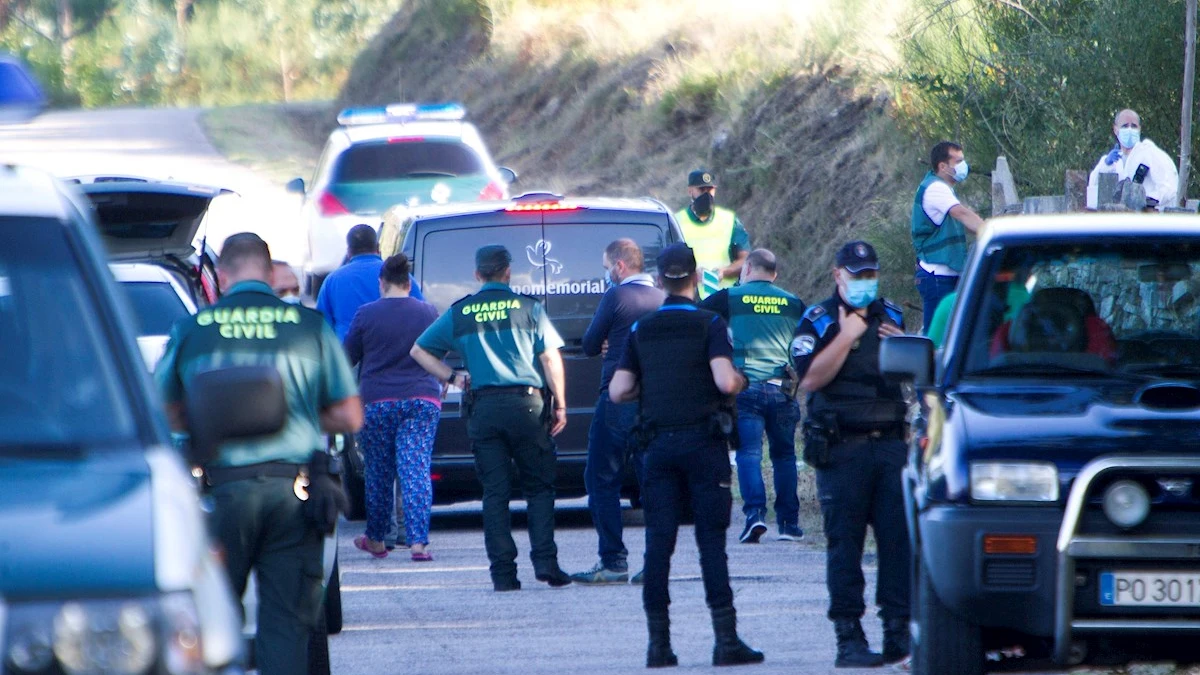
(156,306)
(1116,308)
(370,162)
(59,384)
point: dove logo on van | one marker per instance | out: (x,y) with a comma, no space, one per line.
(539,256)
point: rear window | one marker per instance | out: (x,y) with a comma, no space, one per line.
(156,306)
(410,159)
(450,272)
(58,381)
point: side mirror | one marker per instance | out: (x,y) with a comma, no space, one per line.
(232,403)
(295,185)
(907,357)
(507,175)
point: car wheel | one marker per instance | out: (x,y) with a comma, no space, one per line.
(942,641)
(333,602)
(318,648)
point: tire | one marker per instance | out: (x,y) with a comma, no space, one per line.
(318,648)
(333,602)
(943,641)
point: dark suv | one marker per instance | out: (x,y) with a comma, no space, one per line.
(557,245)
(1053,486)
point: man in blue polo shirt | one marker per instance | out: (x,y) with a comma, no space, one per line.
(355,283)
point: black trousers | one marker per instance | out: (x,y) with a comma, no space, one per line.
(862,487)
(504,429)
(682,467)
(260,524)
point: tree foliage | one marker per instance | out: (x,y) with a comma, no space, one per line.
(1041,81)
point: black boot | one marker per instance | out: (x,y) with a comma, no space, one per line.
(729,649)
(852,648)
(659,654)
(895,640)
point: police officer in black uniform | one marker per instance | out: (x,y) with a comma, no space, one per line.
(678,364)
(516,406)
(274,497)
(854,438)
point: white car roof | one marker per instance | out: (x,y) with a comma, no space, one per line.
(29,192)
(374,132)
(140,272)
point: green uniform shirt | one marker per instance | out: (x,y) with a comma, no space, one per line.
(762,318)
(499,334)
(250,326)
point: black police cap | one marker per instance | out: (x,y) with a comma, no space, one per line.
(857,256)
(677,261)
(702,178)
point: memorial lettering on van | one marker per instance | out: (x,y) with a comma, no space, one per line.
(539,256)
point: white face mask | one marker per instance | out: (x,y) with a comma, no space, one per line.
(290,299)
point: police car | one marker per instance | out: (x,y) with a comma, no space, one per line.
(380,157)
(1053,482)
(106,564)
(557,244)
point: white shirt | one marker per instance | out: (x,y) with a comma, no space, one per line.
(1162,181)
(641,279)
(938,200)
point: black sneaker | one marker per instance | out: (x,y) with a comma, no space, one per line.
(754,530)
(790,532)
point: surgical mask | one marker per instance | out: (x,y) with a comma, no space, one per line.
(960,171)
(608,278)
(1128,136)
(861,292)
(702,206)
(290,299)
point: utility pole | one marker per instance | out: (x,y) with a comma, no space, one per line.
(1189,80)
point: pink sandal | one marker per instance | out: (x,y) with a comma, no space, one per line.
(363,544)
(423,556)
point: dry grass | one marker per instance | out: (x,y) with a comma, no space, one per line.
(264,138)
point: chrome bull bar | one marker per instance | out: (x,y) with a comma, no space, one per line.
(1072,546)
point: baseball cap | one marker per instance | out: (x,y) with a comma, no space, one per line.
(677,261)
(491,259)
(701,178)
(857,256)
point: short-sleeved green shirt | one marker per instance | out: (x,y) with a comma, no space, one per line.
(250,326)
(499,334)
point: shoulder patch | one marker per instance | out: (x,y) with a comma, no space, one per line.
(803,345)
(820,319)
(894,312)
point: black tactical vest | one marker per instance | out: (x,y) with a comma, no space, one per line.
(676,380)
(858,393)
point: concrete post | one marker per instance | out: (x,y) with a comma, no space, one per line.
(1004,190)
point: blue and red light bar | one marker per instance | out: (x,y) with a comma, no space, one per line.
(401,112)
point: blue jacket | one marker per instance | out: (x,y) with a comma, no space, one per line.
(351,286)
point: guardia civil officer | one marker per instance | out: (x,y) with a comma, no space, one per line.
(258,515)
(854,438)
(678,365)
(516,405)
(762,319)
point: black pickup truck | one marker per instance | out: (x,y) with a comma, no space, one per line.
(1053,484)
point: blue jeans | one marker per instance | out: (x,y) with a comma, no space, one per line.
(608,446)
(932,287)
(765,407)
(686,467)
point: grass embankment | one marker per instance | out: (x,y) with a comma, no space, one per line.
(265,138)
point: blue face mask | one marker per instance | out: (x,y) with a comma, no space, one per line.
(1128,136)
(608,277)
(861,292)
(960,171)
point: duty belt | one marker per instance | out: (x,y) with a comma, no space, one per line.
(219,475)
(896,432)
(523,390)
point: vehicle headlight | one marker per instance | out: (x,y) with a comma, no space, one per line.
(1126,503)
(121,637)
(104,638)
(1014,481)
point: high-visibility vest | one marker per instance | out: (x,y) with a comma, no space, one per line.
(710,243)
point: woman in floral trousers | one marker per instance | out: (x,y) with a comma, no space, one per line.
(403,404)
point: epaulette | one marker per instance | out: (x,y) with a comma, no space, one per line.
(894,312)
(820,319)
